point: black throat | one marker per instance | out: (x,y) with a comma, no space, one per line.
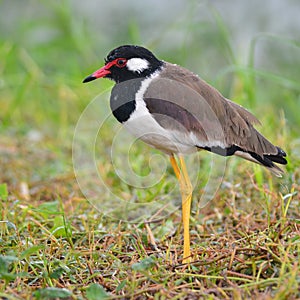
(122,98)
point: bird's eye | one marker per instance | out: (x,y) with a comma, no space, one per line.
(121,62)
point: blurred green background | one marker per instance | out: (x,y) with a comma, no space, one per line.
(249,50)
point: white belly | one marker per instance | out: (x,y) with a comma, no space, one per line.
(142,125)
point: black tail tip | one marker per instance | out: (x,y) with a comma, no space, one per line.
(279,158)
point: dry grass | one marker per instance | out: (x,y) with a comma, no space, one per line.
(55,244)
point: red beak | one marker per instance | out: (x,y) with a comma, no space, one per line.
(98,74)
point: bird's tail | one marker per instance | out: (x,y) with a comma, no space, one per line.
(267,160)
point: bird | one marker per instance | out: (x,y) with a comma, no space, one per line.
(172,109)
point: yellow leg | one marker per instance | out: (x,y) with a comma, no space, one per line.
(186,190)
(186,193)
(175,167)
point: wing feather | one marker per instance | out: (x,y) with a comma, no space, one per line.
(189,103)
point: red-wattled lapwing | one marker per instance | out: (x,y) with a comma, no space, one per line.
(174,110)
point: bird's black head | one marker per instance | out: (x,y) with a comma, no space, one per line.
(127,62)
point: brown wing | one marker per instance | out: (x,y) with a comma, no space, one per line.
(181,100)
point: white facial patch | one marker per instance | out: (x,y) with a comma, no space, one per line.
(137,64)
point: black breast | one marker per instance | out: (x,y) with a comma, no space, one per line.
(122,98)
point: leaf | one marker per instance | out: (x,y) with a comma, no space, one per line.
(121,285)
(96,292)
(143,265)
(26,253)
(7,276)
(58,229)
(3,191)
(227,211)
(51,293)
(49,208)
(5,262)
(57,273)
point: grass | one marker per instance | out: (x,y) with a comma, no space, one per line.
(56,244)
